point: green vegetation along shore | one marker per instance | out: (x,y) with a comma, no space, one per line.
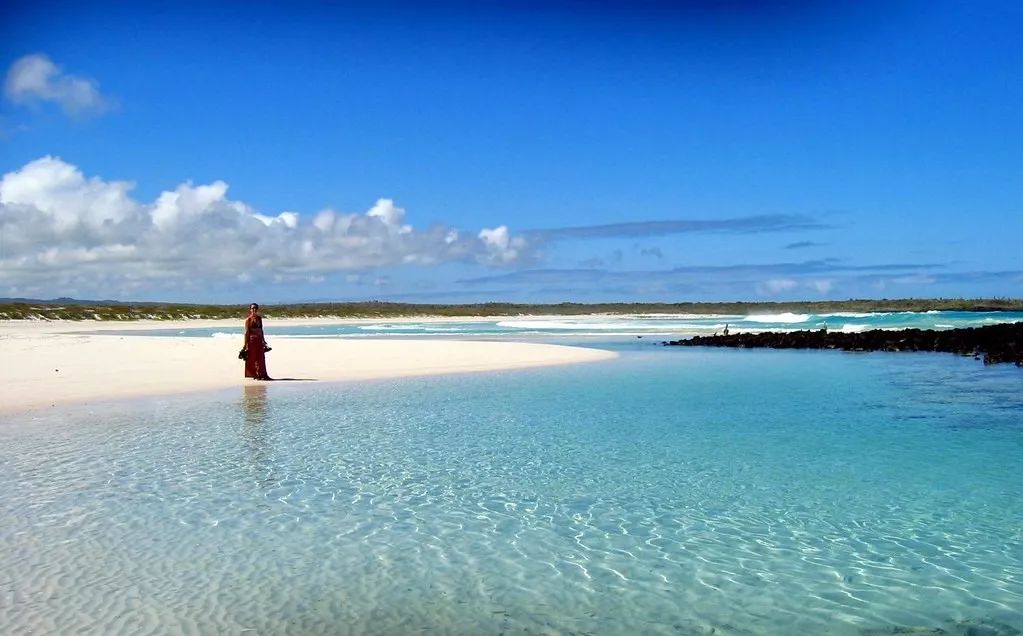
(70,309)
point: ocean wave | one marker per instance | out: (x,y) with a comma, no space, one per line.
(847,328)
(222,334)
(629,326)
(855,314)
(787,318)
(413,329)
(562,325)
(683,316)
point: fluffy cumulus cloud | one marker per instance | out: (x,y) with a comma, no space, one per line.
(63,229)
(35,78)
(501,246)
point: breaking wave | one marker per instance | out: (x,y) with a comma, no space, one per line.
(787,318)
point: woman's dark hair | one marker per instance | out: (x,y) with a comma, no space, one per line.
(256,305)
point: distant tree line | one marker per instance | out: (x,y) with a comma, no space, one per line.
(70,309)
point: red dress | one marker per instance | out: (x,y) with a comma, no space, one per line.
(255,360)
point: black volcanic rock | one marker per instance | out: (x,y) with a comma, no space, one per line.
(997,343)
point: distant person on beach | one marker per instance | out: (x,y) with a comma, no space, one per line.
(725,332)
(255,346)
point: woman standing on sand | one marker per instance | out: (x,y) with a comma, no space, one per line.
(255,345)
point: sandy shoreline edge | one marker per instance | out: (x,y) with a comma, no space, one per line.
(54,363)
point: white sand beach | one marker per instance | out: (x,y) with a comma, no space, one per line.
(49,364)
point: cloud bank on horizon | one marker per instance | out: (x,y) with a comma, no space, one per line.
(680,155)
(63,229)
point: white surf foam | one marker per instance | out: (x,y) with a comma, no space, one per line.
(852,328)
(683,316)
(787,318)
(855,314)
(557,324)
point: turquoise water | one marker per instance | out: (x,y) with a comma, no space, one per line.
(648,325)
(666,492)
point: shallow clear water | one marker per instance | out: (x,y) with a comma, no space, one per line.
(667,492)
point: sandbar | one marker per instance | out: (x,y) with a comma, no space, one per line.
(53,363)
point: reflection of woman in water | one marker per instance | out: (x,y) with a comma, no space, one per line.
(256,434)
(254,406)
(255,346)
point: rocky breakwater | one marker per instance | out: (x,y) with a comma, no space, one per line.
(996,343)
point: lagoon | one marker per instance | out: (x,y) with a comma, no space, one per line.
(666,491)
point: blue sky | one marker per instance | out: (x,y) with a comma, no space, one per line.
(500,151)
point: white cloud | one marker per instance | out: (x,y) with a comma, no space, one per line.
(776,286)
(35,78)
(823,286)
(186,203)
(391,215)
(60,192)
(58,226)
(501,246)
(914,279)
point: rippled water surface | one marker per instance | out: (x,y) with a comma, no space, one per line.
(667,492)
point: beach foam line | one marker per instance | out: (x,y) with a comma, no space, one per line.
(855,314)
(583,325)
(848,328)
(784,318)
(558,324)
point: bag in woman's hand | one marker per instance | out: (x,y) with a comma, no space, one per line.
(243,354)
